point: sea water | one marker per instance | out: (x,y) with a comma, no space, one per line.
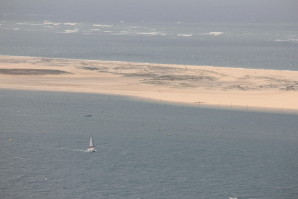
(145,149)
(247,45)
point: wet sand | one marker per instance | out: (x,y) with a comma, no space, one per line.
(220,87)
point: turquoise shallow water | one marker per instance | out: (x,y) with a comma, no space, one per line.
(144,149)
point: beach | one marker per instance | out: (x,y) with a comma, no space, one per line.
(220,87)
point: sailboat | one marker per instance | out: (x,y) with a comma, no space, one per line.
(91,147)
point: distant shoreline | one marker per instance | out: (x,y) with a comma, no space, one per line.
(218,87)
(145,62)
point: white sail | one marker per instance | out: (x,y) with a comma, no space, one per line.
(91,146)
(91,142)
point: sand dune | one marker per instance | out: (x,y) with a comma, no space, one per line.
(220,87)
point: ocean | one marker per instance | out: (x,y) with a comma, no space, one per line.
(242,45)
(145,149)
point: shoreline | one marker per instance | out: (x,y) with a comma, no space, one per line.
(207,86)
(149,63)
(230,107)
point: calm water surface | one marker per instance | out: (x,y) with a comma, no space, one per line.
(144,149)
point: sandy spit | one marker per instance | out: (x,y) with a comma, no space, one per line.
(220,87)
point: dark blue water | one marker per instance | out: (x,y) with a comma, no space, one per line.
(144,149)
(269,46)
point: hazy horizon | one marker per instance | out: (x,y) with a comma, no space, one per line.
(252,11)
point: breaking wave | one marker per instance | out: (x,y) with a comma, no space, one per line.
(214,33)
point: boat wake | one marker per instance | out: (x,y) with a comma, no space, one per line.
(21,158)
(66,148)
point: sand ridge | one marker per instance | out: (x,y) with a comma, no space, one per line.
(197,85)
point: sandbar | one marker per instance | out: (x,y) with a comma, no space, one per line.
(220,87)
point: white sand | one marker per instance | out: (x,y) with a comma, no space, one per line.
(197,85)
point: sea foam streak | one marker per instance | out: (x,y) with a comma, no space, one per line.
(51,23)
(70,24)
(150,33)
(102,25)
(71,31)
(286,40)
(184,35)
(214,33)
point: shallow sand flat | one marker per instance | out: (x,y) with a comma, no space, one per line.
(196,85)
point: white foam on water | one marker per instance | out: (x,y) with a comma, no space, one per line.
(136,33)
(286,40)
(71,31)
(36,24)
(102,25)
(184,35)
(151,33)
(214,33)
(70,24)
(51,23)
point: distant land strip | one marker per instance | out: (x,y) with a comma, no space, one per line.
(220,87)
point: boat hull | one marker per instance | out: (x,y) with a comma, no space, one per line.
(91,149)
